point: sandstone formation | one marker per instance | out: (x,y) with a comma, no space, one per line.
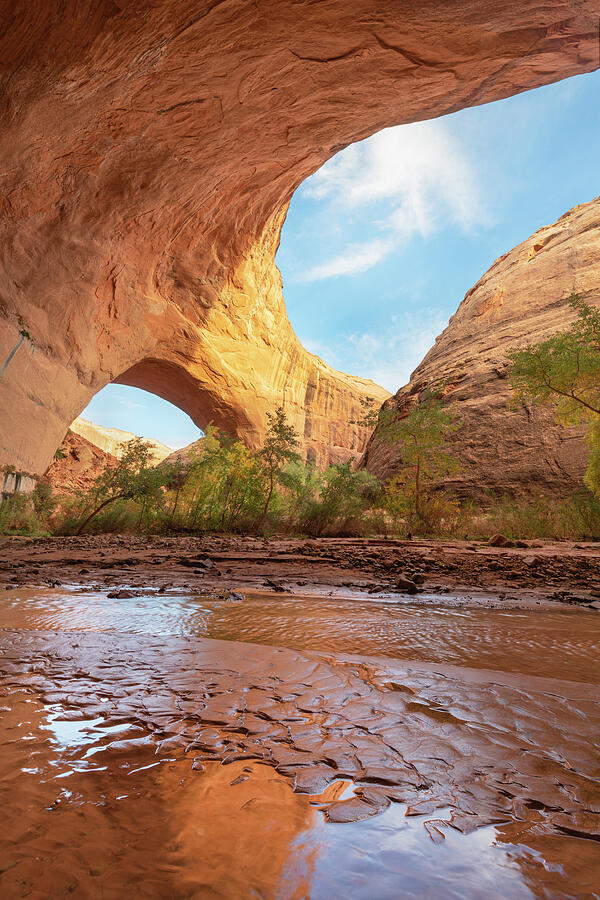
(184,453)
(110,439)
(520,300)
(148,154)
(77,466)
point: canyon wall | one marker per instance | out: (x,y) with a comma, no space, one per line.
(148,152)
(110,439)
(77,466)
(521,299)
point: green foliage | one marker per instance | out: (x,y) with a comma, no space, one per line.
(278,450)
(564,372)
(344,504)
(573,518)
(421,438)
(19,516)
(44,500)
(225,487)
(133,478)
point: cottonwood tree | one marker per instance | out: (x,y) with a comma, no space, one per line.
(564,372)
(420,437)
(278,451)
(133,478)
(346,498)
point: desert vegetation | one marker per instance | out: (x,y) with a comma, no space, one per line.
(224,487)
(564,372)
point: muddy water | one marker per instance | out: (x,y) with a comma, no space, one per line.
(479,780)
(551,642)
(93,823)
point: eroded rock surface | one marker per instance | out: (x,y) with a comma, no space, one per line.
(110,439)
(77,466)
(148,155)
(521,299)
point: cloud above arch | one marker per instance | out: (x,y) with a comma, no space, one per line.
(402,182)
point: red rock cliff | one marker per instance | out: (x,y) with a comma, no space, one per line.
(149,149)
(521,299)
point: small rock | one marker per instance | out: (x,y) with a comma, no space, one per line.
(120,595)
(500,540)
(417,577)
(196,563)
(405,584)
(278,588)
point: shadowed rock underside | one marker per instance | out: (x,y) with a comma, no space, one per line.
(149,152)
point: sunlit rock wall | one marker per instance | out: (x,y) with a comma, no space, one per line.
(148,152)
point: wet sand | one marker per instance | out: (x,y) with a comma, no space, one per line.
(442,745)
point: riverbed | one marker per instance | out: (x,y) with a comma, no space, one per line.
(191,744)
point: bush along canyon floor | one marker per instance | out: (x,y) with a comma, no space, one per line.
(219,716)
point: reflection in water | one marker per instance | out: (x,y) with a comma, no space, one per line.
(561,643)
(173,828)
(110,782)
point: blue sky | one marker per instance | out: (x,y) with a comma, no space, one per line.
(381,244)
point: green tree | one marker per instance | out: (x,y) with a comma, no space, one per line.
(225,484)
(44,500)
(421,437)
(133,478)
(175,475)
(278,450)
(347,498)
(564,372)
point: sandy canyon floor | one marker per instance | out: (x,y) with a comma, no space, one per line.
(211,717)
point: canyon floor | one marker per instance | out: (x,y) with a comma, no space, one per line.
(239,717)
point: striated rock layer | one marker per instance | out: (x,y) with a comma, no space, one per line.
(110,439)
(148,154)
(521,299)
(77,466)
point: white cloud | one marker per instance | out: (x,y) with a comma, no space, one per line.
(130,404)
(404,181)
(388,356)
(357,258)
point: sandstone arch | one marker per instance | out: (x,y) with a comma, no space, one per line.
(149,151)
(178,386)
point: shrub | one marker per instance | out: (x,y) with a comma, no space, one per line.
(18,516)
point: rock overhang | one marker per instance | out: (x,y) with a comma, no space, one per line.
(150,151)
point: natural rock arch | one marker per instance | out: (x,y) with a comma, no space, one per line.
(149,151)
(177,385)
